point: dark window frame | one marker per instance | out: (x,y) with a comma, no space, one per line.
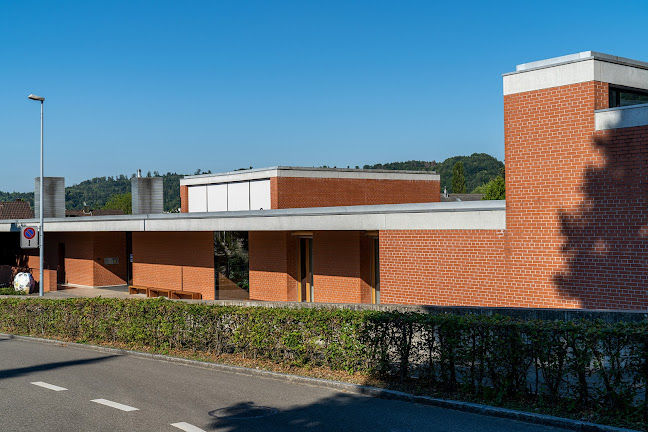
(615,92)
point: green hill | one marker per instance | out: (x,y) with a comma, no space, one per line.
(479,168)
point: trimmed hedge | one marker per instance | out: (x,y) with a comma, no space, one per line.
(581,366)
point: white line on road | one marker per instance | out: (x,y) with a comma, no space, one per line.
(49,386)
(115,405)
(187,427)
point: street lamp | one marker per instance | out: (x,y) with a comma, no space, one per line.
(41,245)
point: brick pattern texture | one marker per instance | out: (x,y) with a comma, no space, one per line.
(576,202)
(84,257)
(340,269)
(273,266)
(297,192)
(184,199)
(175,260)
(444,267)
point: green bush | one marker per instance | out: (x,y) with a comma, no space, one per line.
(580,366)
(9,290)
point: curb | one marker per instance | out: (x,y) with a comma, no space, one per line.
(527,417)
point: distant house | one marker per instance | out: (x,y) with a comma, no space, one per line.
(18,209)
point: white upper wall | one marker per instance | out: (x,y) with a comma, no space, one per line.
(576,68)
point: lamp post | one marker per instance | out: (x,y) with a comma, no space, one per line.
(41,245)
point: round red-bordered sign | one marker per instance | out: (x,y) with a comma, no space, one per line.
(29,233)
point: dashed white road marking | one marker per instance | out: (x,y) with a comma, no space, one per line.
(114,405)
(48,386)
(187,427)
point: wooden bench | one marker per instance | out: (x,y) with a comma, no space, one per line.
(137,290)
(158,292)
(165,292)
(186,295)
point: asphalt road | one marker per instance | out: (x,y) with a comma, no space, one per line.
(46,387)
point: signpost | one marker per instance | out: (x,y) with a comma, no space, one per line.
(29,237)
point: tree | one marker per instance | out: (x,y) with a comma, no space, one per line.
(458,180)
(122,202)
(496,188)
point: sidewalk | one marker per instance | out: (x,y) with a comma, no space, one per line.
(71,291)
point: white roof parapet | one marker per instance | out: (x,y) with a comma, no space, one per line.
(576,68)
(283,171)
(585,55)
(471,215)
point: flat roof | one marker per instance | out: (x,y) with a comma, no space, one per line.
(586,66)
(311,172)
(578,57)
(431,216)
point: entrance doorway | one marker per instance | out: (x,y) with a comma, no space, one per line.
(129,258)
(375,270)
(60,266)
(306,290)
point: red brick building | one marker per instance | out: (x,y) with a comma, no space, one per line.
(571,234)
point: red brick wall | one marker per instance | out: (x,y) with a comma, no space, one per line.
(298,192)
(109,245)
(548,136)
(175,260)
(79,256)
(273,266)
(445,267)
(184,199)
(84,257)
(604,246)
(576,201)
(341,270)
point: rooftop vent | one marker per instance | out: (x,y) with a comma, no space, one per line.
(148,195)
(53,197)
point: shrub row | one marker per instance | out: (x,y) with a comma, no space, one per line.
(583,365)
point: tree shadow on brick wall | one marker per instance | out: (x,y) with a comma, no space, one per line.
(605,239)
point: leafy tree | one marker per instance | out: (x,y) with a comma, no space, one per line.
(495,189)
(122,202)
(458,180)
(13,196)
(479,169)
(480,189)
(412,165)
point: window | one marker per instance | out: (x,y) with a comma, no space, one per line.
(232,265)
(622,96)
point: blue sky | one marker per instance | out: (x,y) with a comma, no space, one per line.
(220,85)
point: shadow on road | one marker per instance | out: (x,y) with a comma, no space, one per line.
(341,412)
(348,412)
(11,373)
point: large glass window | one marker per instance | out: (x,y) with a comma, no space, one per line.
(231,265)
(620,97)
